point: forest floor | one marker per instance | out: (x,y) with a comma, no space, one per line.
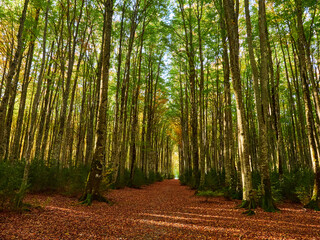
(163,210)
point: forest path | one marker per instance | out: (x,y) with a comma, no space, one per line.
(163,210)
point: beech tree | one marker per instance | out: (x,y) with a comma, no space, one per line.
(95,175)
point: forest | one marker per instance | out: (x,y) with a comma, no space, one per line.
(102,97)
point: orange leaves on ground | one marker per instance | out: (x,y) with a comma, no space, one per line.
(163,210)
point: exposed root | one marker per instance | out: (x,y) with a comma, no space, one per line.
(249,205)
(243,204)
(88,198)
(249,212)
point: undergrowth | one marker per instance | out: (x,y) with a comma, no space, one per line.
(295,186)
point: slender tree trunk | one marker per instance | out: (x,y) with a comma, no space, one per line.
(115,134)
(7,131)
(292,111)
(135,109)
(201,101)
(11,72)
(228,136)
(73,30)
(45,106)
(311,131)
(34,110)
(124,98)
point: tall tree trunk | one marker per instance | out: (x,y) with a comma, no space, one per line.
(201,101)
(231,14)
(135,109)
(124,98)
(115,135)
(228,136)
(267,201)
(95,176)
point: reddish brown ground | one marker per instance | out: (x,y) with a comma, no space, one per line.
(163,210)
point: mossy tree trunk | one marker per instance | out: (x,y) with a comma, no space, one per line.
(95,175)
(267,201)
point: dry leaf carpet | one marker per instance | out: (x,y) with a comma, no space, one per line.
(164,210)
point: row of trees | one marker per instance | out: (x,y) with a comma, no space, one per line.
(83,84)
(267,118)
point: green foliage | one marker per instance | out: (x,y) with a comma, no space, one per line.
(72,180)
(157,177)
(151,178)
(138,178)
(313,204)
(10,181)
(42,177)
(170,176)
(304,180)
(207,193)
(124,181)
(185,178)
(210,194)
(214,180)
(294,186)
(69,181)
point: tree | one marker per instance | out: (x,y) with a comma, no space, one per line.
(231,14)
(267,201)
(95,176)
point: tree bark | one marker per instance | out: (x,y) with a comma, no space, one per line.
(95,176)
(231,14)
(267,201)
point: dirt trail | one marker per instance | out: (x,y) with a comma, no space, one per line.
(163,210)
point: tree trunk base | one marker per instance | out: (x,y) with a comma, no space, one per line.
(18,199)
(267,204)
(313,204)
(88,198)
(249,205)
